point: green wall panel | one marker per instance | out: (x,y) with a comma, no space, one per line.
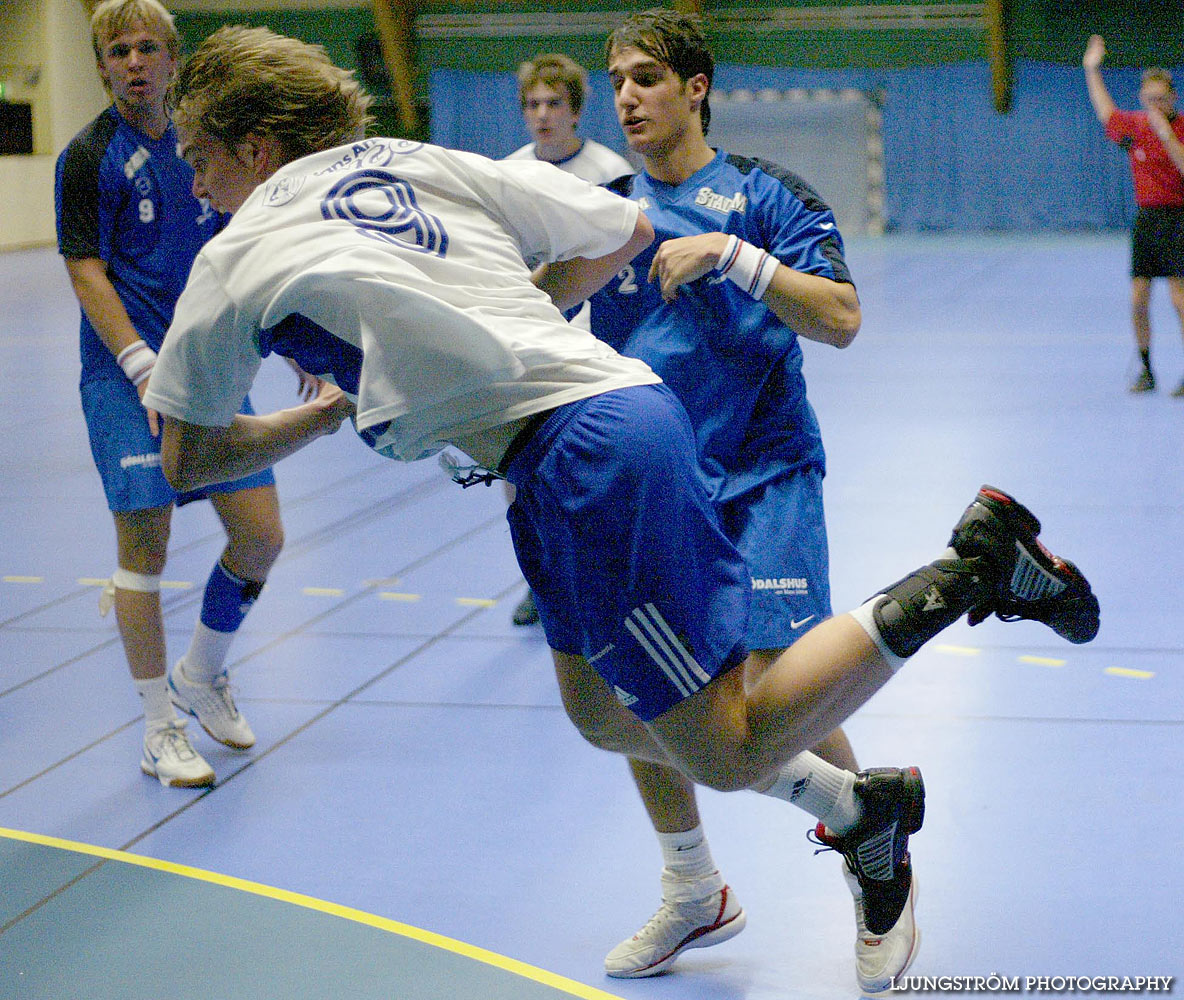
(336,29)
(1137,33)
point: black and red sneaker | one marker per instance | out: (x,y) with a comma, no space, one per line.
(877,847)
(1033,583)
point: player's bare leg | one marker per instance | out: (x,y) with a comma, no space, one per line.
(1176,291)
(697,907)
(1141,325)
(730,738)
(142,538)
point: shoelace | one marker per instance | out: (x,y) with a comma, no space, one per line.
(666,916)
(219,688)
(813,838)
(174,738)
(222,691)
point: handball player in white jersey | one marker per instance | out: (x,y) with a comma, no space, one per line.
(395,271)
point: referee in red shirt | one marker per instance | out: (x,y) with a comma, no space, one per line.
(1154,141)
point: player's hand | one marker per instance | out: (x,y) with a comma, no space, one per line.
(1095,52)
(684,259)
(1159,122)
(333,405)
(308,385)
(153,416)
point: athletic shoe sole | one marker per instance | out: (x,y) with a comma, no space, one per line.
(201,781)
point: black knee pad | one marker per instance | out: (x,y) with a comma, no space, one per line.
(928,600)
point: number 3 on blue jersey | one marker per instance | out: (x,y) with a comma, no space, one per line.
(383,206)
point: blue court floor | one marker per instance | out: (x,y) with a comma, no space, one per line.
(419,819)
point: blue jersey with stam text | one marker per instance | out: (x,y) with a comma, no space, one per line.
(127,199)
(734,365)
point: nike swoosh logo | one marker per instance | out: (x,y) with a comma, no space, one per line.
(799,624)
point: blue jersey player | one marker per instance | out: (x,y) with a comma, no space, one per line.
(129,228)
(746,258)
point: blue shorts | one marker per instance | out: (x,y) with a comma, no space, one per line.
(620,542)
(128,456)
(780,529)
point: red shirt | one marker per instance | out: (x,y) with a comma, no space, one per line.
(1157,181)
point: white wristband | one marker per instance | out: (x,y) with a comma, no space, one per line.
(747,266)
(136,360)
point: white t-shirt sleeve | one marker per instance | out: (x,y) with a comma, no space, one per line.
(209,358)
(557,216)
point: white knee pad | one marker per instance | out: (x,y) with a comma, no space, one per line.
(125,579)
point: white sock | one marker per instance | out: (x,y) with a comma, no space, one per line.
(824,791)
(690,873)
(154,693)
(204,659)
(867,621)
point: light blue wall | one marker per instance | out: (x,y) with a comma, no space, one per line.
(951,162)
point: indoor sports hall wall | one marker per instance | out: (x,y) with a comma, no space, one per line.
(46,62)
(951,162)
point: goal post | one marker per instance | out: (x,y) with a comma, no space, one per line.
(832,138)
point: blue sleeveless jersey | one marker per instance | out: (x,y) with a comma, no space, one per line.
(734,365)
(127,199)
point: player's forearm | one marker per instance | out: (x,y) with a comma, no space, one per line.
(570,282)
(1099,96)
(1174,149)
(814,307)
(193,456)
(101,303)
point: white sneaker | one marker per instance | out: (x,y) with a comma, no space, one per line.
(675,928)
(212,706)
(170,757)
(881,959)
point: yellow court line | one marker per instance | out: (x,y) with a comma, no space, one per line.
(93,581)
(175,584)
(391,595)
(512,965)
(1042,661)
(24,579)
(1139,675)
(958,650)
(323,592)
(475,602)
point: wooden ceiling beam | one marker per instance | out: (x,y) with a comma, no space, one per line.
(999,55)
(394,20)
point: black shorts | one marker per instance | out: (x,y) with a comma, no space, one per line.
(1157,243)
